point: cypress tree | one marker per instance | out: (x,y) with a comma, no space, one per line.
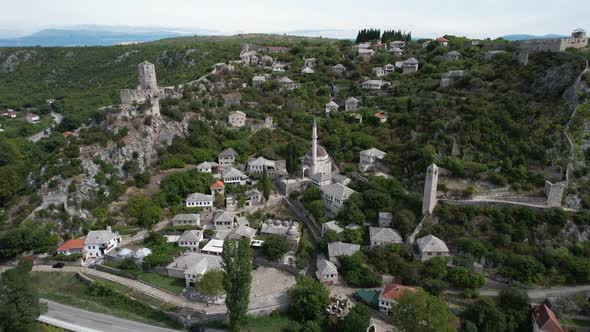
(291,159)
(265,185)
(237,265)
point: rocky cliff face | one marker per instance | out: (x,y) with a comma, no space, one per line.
(141,144)
(9,61)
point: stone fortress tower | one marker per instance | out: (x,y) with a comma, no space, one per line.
(147,92)
(147,76)
(577,39)
(430,184)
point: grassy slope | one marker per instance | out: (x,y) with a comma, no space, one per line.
(65,288)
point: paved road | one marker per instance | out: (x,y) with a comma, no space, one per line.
(542,294)
(78,320)
(538,294)
(57,119)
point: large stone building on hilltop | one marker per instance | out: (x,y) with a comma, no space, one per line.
(147,92)
(578,39)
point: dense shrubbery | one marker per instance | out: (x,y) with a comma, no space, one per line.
(524,245)
(357,273)
(176,187)
(28,236)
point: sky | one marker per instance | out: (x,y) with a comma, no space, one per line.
(330,18)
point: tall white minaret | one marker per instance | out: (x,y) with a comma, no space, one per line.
(314,147)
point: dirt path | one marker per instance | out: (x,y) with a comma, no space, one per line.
(141,287)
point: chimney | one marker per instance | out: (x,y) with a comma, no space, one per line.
(109,228)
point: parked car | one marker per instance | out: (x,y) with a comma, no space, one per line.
(58,265)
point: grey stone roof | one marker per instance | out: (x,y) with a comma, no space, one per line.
(196,263)
(251,193)
(332,104)
(325,267)
(240,113)
(352,99)
(228,153)
(277,227)
(336,190)
(191,236)
(385,216)
(455,73)
(99,237)
(259,78)
(261,161)
(207,164)
(431,243)
(285,79)
(380,82)
(396,50)
(242,231)
(453,53)
(234,173)
(242,221)
(224,216)
(385,234)
(373,153)
(320,177)
(200,197)
(340,66)
(307,70)
(411,61)
(186,217)
(333,226)
(337,249)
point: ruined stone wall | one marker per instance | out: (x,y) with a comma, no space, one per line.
(543,45)
(554,192)
(129,96)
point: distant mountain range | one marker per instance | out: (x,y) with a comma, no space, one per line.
(87,37)
(100,35)
(526,37)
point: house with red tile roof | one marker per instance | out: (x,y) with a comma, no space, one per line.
(390,294)
(544,320)
(443,41)
(9,113)
(218,187)
(70,247)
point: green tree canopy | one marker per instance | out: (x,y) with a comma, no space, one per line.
(275,247)
(237,279)
(19,301)
(421,312)
(211,283)
(309,300)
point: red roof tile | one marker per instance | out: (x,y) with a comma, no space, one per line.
(380,115)
(546,319)
(442,39)
(395,291)
(217,185)
(72,244)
